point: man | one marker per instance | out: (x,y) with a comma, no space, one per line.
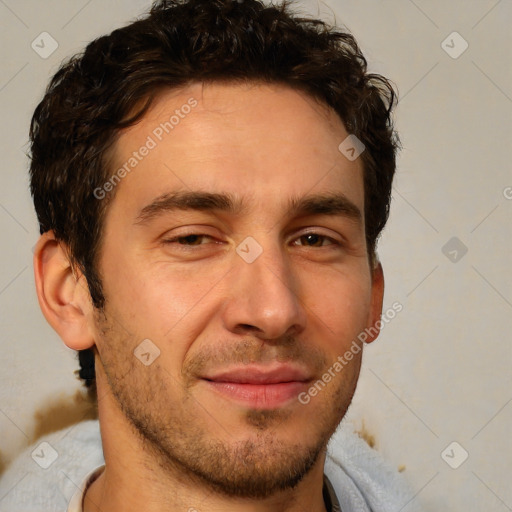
(210,183)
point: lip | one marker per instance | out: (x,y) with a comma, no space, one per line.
(252,374)
(260,387)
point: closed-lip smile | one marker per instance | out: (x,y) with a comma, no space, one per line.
(261,387)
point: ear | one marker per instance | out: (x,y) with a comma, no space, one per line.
(63,297)
(374,323)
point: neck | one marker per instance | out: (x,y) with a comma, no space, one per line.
(105,494)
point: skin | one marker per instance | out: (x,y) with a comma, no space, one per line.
(170,441)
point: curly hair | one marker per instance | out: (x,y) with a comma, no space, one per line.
(111,84)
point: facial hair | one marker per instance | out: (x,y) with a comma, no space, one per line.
(255,465)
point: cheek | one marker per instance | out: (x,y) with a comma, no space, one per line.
(160,300)
(339,307)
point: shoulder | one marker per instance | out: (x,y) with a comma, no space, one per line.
(362,478)
(46,475)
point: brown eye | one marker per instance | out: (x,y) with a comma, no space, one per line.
(190,240)
(316,240)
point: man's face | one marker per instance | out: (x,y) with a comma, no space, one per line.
(248,306)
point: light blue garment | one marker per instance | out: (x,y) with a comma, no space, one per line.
(362,480)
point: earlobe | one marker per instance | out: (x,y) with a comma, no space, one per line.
(63,297)
(374,318)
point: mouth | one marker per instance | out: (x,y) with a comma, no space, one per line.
(260,387)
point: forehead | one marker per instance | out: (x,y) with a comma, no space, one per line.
(257,140)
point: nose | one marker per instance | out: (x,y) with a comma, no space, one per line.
(264,296)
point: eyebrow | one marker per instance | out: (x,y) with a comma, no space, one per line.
(332,204)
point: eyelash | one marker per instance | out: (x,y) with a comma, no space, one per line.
(174,240)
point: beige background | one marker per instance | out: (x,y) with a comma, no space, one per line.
(440,372)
